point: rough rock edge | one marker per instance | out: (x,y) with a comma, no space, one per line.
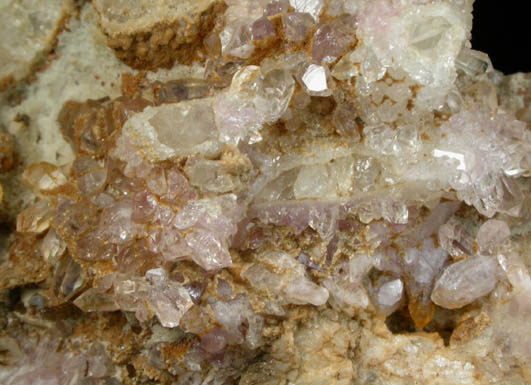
(163,43)
(42,59)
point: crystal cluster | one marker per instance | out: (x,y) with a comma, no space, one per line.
(342,165)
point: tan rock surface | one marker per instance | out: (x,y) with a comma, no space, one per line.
(148,37)
(29,30)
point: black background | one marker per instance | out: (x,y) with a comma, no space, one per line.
(502,29)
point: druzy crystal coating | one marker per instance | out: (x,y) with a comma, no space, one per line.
(339,194)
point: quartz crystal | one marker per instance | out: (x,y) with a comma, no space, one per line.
(463,282)
(260,192)
(297,25)
(157,133)
(313,7)
(491,234)
(330,40)
(315,80)
(252,100)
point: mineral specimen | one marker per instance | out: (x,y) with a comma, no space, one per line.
(319,192)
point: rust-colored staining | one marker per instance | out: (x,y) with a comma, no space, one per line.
(7,151)
(133,84)
(89,125)
(470,328)
(25,265)
(425,137)
(166,43)
(175,352)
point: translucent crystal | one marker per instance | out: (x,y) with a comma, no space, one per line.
(208,251)
(209,175)
(330,40)
(472,62)
(381,139)
(233,314)
(91,176)
(465,281)
(95,299)
(422,39)
(118,224)
(275,7)
(175,91)
(156,132)
(236,40)
(454,238)
(492,234)
(52,246)
(36,218)
(387,294)
(315,80)
(68,277)
(169,243)
(422,266)
(43,177)
(314,182)
(262,29)
(297,26)
(252,100)
(169,299)
(214,342)
(346,283)
(313,7)
(345,68)
(471,136)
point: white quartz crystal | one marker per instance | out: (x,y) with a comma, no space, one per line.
(313,7)
(315,80)
(253,99)
(163,132)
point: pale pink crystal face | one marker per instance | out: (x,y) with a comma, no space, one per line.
(262,29)
(331,40)
(332,165)
(275,7)
(297,26)
(463,282)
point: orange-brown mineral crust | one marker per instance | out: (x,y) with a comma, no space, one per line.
(150,40)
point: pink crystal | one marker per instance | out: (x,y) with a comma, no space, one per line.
(117,223)
(262,29)
(208,251)
(169,300)
(169,243)
(235,313)
(145,207)
(331,40)
(275,7)
(214,342)
(492,234)
(454,238)
(297,26)
(465,281)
